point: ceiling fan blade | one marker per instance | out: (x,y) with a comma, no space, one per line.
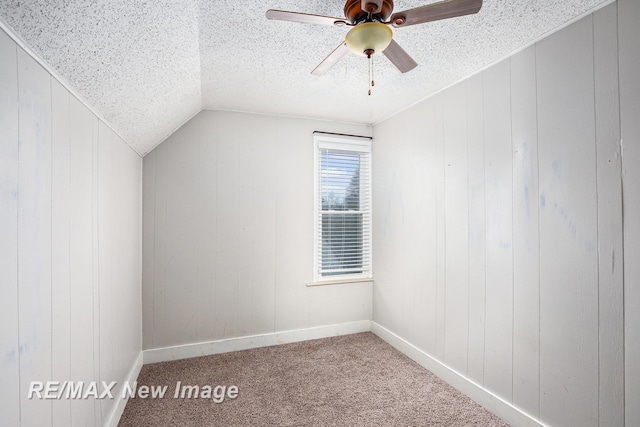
(372,6)
(305,18)
(435,12)
(331,60)
(399,57)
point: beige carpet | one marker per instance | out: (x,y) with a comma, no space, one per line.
(352,380)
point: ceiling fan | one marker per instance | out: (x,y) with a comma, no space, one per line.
(371,34)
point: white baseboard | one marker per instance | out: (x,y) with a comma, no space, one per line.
(164,354)
(484,397)
(493,403)
(118,409)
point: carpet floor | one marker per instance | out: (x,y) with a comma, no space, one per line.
(351,380)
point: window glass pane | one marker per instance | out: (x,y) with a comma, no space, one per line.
(340,180)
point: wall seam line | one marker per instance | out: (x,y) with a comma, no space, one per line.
(484,174)
(69,230)
(51,230)
(468,234)
(535,55)
(97,189)
(622,217)
(18,238)
(598,253)
(513,260)
(444,208)
(275,240)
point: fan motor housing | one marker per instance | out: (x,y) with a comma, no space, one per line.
(354,13)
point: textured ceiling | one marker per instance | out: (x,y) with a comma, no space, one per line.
(147,66)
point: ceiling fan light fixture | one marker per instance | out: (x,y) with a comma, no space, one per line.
(368,36)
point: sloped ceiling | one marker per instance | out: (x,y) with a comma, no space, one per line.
(147,66)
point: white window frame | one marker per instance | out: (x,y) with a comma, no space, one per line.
(355,145)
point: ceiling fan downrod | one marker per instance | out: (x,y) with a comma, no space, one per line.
(357,11)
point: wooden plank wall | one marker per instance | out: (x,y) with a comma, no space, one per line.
(55,325)
(60,239)
(9,305)
(34,232)
(526,250)
(477,229)
(227,240)
(610,224)
(457,223)
(523,175)
(568,225)
(629,35)
(498,332)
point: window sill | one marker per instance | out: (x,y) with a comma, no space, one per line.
(341,281)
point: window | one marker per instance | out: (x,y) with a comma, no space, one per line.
(342,223)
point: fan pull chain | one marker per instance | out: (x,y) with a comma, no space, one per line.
(371,81)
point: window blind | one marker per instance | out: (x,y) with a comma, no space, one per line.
(343,209)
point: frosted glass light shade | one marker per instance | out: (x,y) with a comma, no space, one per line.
(370,35)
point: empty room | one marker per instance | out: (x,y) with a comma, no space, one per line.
(320,213)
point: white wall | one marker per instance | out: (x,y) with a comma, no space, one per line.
(498,229)
(70,247)
(227,232)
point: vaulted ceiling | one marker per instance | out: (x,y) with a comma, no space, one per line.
(147,66)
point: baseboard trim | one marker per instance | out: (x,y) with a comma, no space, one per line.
(207,348)
(484,397)
(118,409)
(493,403)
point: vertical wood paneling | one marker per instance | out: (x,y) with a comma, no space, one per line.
(424,248)
(438,153)
(388,201)
(526,280)
(60,262)
(148,247)
(456,228)
(293,248)
(160,247)
(131,259)
(263,172)
(499,218)
(34,235)
(10,390)
(544,233)
(246,226)
(609,190)
(386,204)
(568,228)
(401,215)
(81,255)
(228,250)
(407,304)
(54,326)
(228,262)
(207,223)
(107,236)
(477,232)
(123,221)
(629,34)
(182,214)
(406,238)
(95,252)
